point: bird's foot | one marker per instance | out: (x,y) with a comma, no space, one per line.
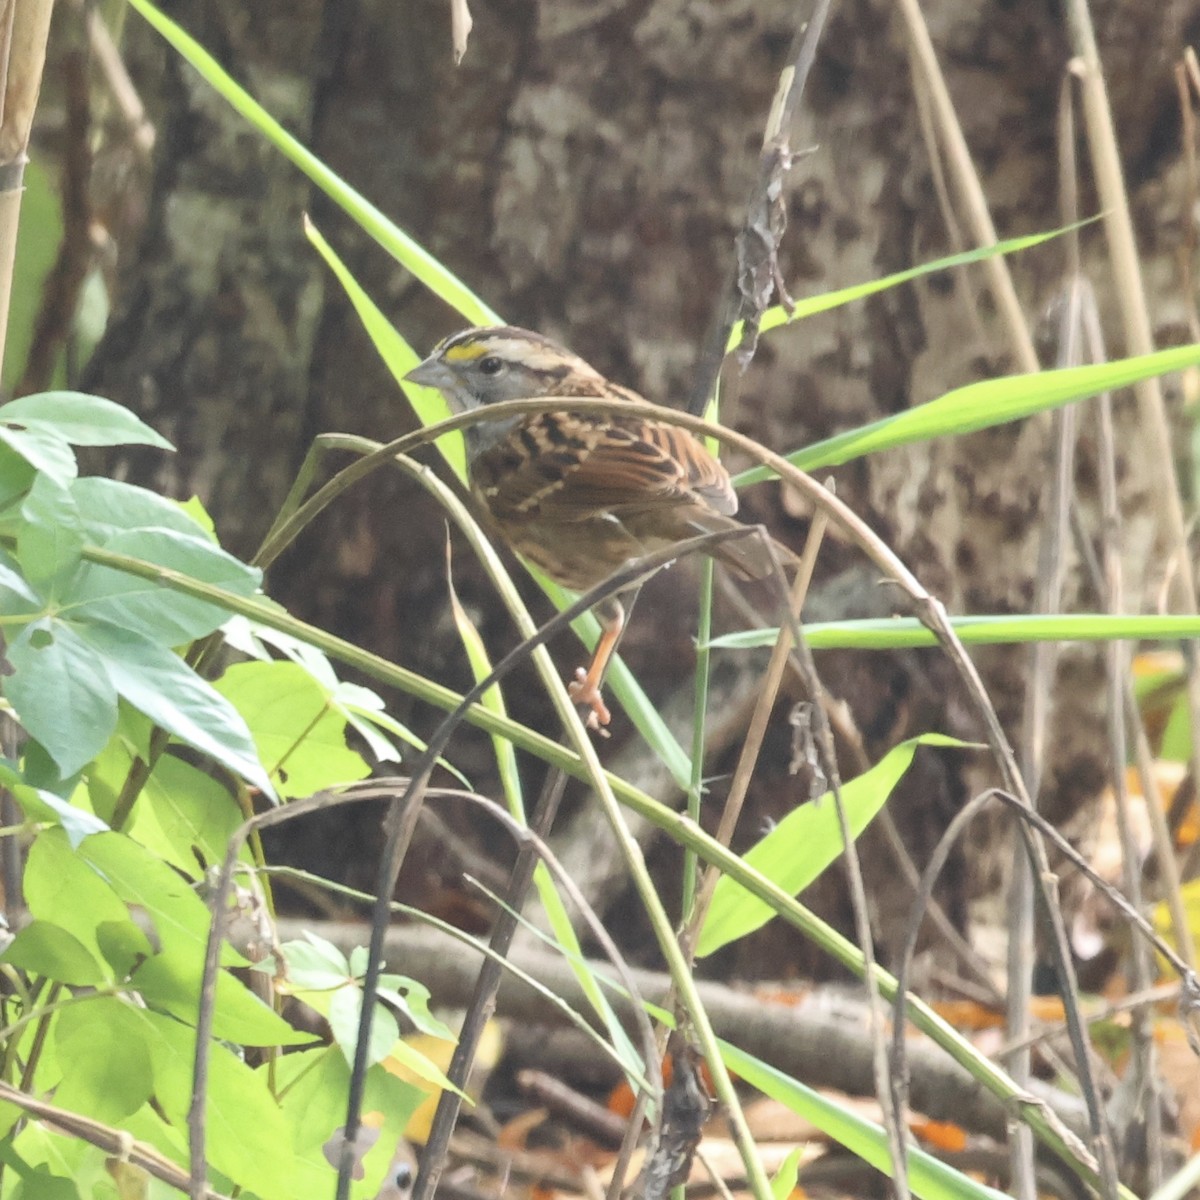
(583,689)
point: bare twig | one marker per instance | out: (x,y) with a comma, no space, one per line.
(758,277)
(755,734)
(125,95)
(116,1142)
(966,182)
(1130,293)
(1143,1075)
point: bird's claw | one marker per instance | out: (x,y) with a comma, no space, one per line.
(583,690)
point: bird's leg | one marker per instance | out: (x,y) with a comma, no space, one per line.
(585,687)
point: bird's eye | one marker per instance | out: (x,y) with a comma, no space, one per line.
(491,365)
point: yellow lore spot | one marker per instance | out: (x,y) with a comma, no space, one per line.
(465,352)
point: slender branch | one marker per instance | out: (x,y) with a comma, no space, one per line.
(757,274)
(114,1141)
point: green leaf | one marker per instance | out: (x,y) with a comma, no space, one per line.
(493,699)
(314,1085)
(39,235)
(108,772)
(43,450)
(300,737)
(49,543)
(62,692)
(81,419)
(110,506)
(152,610)
(783,1182)
(809,306)
(123,945)
(61,889)
(42,948)
(315,965)
(345,1008)
(161,685)
(412,999)
(982,405)
(194,509)
(428,403)
(318,973)
(367,715)
(364,710)
(171,982)
(181,919)
(16,477)
(247,1136)
(42,1184)
(1176,741)
(12,580)
(397,243)
(110,1075)
(41,804)
(803,844)
(422,1066)
(184,816)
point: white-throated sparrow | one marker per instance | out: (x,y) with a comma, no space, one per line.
(580,495)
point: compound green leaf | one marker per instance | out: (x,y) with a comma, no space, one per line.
(109,1077)
(62,692)
(160,684)
(152,610)
(170,982)
(49,543)
(42,948)
(300,735)
(63,890)
(81,420)
(248,1139)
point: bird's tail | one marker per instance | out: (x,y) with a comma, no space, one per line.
(749,557)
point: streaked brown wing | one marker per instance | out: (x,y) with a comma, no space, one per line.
(568,466)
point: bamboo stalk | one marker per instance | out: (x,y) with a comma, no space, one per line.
(24,30)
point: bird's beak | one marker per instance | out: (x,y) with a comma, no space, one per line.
(431,373)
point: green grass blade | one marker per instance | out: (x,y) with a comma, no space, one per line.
(773,318)
(981,406)
(905,633)
(394,240)
(398,356)
(929,1178)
